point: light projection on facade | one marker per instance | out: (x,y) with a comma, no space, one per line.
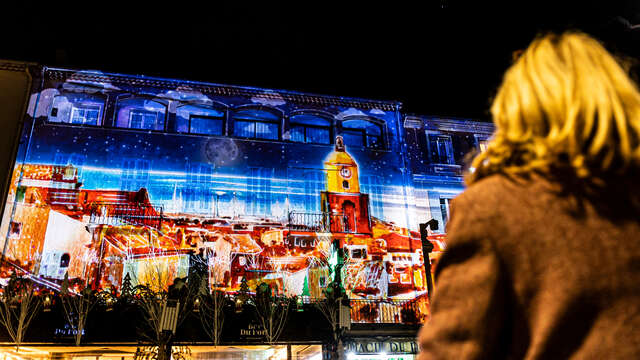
(116,176)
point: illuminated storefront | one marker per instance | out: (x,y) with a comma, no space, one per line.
(124,352)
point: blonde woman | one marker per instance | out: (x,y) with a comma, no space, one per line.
(543,257)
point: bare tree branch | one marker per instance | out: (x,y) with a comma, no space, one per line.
(271,312)
(19,305)
(77,307)
(151,294)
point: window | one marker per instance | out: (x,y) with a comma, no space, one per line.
(205,125)
(359,253)
(405,279)
(198,192)
(135,174)
(444,209)
(15,228)
(309,128)
(482,142)
(144,119)
(256,124)
(412,122)
(259,191)
(201,120)
(64,260)
(85,115)
(140,113)
(199,173)
(69,172)
(75,159)
(20,193)
(440,149)
(362,133)
(77,109)
(314,182)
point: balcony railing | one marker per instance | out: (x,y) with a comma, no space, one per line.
(126,214)
(386,312)
(321,222)
(378,311)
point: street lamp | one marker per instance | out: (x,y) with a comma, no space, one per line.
(169,317)
(47,303)
(168,323)
(427,248)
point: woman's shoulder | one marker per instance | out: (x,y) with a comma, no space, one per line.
(495,188)
(499,196)
(495,208)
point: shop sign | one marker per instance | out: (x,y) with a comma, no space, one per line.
(367,347)
(253,331)
(66,332)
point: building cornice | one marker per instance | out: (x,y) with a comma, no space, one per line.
(218,89)
(448,124)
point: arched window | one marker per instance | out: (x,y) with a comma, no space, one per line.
(140,113)
(64,260)
(310,128)
(77,109)
(200,119)
(256,123)
(362,133)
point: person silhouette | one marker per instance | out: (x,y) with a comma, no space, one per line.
(543,247)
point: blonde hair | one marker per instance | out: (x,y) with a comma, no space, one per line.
(564,104)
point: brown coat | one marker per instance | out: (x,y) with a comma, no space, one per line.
(528,274)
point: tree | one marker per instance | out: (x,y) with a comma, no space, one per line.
(126,290)
(330,307)
(210,303)
(151,304)
(212,311)
(305,286)
(152,298)
(19,305)
(244,287)
(271,312)
(77,307)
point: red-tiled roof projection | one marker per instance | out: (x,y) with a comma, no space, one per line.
(243,244)
(50,172)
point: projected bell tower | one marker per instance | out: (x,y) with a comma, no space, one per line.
(347,208)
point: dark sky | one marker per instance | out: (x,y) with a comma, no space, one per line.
(445,57)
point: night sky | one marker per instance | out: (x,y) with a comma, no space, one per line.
(445,57)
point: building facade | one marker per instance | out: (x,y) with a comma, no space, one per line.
(117,176)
